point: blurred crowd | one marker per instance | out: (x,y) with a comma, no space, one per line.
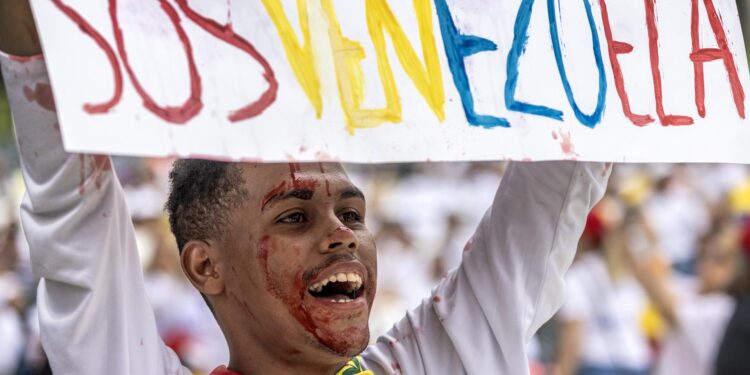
(659,270)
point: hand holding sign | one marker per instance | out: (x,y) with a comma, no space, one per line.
(381,81)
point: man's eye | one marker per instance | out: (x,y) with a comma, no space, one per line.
(294,218)
(351,217)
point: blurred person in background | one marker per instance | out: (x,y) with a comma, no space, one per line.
(679,215)
(599,323)
(734,350)
(696,309)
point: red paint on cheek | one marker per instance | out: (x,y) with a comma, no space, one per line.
(262,255)
(294,302)
(41,94)
(341,341)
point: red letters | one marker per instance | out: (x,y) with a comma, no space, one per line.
(87,29)
(701,56)
(227,34)
(653,41)
(193,105)
(620,48)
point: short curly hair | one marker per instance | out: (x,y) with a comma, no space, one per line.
(203,194)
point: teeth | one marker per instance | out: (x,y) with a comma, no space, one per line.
(353,278)
(342,301)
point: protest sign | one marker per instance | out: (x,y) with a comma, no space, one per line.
(387,80)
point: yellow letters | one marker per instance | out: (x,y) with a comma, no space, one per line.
(301,58)
(380,18)
(348,55)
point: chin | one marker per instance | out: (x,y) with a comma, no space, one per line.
(346,343)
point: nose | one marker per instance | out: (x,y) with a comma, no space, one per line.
(341,238)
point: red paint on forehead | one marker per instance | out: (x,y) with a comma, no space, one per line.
(273,193)
(328,185)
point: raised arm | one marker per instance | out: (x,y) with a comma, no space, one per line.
(510,282)
(93,310)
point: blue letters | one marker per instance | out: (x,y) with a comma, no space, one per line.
(594,118)
(520,37)
(457,48)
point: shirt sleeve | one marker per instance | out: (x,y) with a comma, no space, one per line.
(480,318)
(93,311)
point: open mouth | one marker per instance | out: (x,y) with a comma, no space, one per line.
(340,287)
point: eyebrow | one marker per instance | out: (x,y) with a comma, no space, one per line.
(278,195)
(352,192)
(281,195)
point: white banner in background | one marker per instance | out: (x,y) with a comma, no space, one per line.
(388,80)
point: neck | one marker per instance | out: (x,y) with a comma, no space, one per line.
(250,355)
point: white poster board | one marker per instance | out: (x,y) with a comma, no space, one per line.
(398,80)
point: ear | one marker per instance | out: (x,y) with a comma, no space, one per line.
(200,263)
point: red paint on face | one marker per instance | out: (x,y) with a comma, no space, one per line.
(294,168)
(41,94)
(273,193)
(262,255)
(328,185)
(314,318)
(301,182)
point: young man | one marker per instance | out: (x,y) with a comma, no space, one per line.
(282,255)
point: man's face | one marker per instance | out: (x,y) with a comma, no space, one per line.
(300,264)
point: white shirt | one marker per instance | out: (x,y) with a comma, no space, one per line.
(610,312)
(692,346)
(96,319)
